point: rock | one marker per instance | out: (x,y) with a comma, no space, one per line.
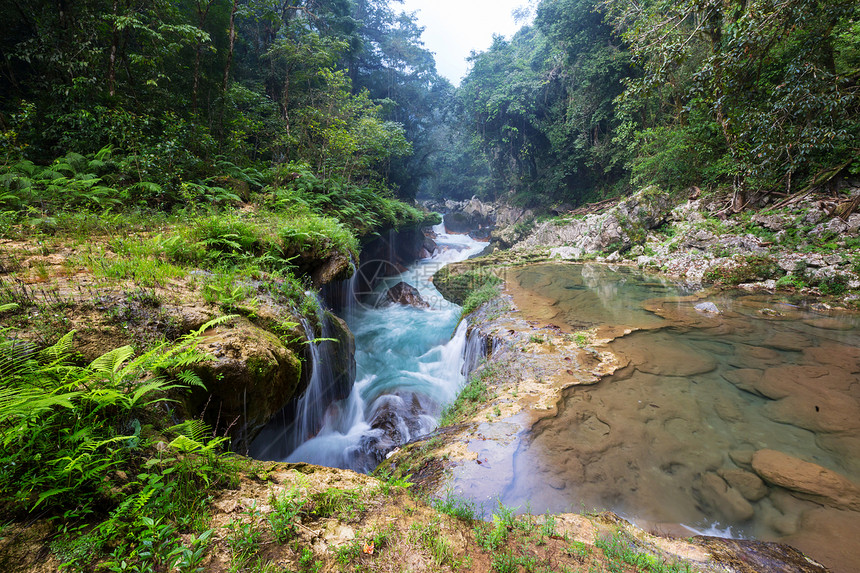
(250,377)
(742,457)
(793,341)
(428,247)
(772,222)
(405,294)
(831,535)
(748,484)
(807,480)
(724,499)
(708,307)
(336,267)
(744,378)
(619,229)
(566,253)
(741,556)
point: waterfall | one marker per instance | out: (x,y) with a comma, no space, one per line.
(410,364)
(303,418)
(477,344)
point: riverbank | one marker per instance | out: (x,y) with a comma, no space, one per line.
(544,352)
(804,247)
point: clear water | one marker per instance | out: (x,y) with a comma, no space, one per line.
(409,365)
(700,394)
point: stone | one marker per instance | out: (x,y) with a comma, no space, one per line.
(406,294)
(831,535)
(724,499)
(744,378)
(742,458)
(669,358)
(249,378)
(747,483)
(807,480)
(708,307)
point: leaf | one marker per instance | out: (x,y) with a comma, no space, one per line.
(111,362)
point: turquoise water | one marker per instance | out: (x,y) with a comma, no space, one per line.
(409,365)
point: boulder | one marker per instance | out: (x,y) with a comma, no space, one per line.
(807,480)
(251,375)
(726,500)
(405,294)
(747,483)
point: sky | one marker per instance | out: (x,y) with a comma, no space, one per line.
(453,28)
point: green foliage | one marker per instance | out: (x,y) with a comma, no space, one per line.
(621,548)
(286,509)
(456,507)
(346,505)
(746,269)
(80,440)
(474,393)
(429,535)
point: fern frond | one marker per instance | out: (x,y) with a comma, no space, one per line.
(60,351)
(190,379)
(111,362)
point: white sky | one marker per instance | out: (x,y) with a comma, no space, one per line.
(453,28)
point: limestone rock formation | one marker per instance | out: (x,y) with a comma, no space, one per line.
(250,376)
(807,480)
(619,229)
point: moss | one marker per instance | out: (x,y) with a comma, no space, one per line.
(744,270)
(458,282)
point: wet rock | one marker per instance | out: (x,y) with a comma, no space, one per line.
(740,556)
(744,378)
(792,341)
(816,411)
(428,247)
(726,500)
(406,294)
(250,377)
(336,267)
(807,480)
(708,307)
(748,484)
(668,357)
(742,458)
(831,535)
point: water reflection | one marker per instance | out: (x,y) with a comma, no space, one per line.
(669,439)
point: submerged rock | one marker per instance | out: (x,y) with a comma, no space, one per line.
(726,500)
(809,480)
(403,293)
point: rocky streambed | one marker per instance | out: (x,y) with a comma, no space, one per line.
(686,411)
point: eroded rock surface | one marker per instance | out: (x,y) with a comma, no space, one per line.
(807,479)
(406,294)
(250,377)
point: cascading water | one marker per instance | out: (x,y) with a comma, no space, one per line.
(304,417)
(408,367)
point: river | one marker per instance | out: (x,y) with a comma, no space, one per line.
(409,365)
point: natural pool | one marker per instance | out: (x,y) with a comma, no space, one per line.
(668,440)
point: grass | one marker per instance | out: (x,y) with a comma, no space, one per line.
(474,393)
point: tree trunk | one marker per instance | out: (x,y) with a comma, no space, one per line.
(113,49)
(231,42)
